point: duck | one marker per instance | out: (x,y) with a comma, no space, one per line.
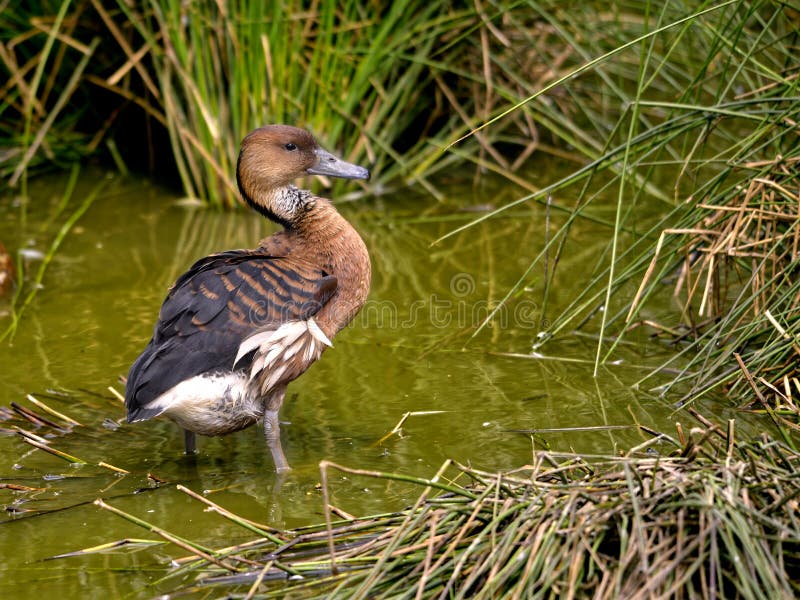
(240,325)
(7,271)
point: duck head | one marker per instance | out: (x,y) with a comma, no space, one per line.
(272,157)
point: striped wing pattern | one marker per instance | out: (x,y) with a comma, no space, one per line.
(222,302)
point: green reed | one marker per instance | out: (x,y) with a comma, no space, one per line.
(688,121)
(386,85)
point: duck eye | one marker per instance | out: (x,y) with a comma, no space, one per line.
(290,146)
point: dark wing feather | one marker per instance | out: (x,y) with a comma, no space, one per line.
(212,308)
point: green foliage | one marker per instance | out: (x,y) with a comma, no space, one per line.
(38,111)
(691,129)
(347,71)
(395,82)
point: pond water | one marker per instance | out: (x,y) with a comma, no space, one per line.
(409,350)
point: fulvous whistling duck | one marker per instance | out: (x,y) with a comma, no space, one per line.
(239,326)
(6,270)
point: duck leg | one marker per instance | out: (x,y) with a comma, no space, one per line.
(272,430)
(190,440)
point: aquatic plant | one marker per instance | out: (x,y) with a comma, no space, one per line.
(696,513)
(698,148)
(712,517)
(41,101)
(24,295)
(401,79)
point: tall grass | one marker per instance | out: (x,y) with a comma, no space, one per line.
(344,70)
(41,66)
(699,152)
(396,82)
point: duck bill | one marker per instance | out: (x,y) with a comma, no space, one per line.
(328,164)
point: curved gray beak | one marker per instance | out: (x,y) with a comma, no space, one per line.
(328,164)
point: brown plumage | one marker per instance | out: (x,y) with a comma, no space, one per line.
(239,326)
(6,270)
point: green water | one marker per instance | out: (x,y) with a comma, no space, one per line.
(409,350)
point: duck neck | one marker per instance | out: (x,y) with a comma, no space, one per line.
(320,235)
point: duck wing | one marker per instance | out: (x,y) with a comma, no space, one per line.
(220,303)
